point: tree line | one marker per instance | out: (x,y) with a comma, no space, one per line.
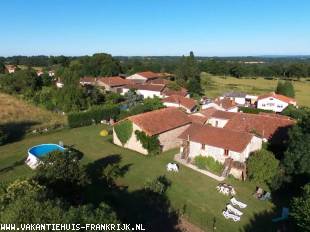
(289,67)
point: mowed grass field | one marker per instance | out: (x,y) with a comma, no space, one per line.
(25,115)
(214,86)
(191,193)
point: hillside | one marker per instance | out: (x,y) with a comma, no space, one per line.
(21,117)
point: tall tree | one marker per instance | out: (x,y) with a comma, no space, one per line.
(285,88)
(262,167)
(300,209)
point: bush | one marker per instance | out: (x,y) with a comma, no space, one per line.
(208,163)
(123,131)
(262,167)
(150,143)
(253,110)
(159,185)
(94,115)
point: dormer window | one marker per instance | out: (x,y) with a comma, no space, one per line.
(271,99)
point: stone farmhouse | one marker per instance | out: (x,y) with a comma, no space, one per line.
(166,123)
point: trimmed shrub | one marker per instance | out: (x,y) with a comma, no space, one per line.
(123,131)
(150,143)
(159,185)
(208,163)
(94,115)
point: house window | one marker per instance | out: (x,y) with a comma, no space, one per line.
(203,146)
(226,151)
(216,123)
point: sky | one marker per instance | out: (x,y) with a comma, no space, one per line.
(155,27)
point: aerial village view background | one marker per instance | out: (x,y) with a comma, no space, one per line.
(162,115)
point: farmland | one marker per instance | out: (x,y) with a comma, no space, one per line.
(216,85)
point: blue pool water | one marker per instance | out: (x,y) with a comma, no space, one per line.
(43,149)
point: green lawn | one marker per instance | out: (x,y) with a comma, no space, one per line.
(214,86)
(190,192)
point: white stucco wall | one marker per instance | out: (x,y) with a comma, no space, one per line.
(219,121)
(271,103)
(148,93)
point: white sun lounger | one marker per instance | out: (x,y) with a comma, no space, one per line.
(228,215)
(239,203)
(233,210)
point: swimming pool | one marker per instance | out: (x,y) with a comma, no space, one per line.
(37,152)
(43,149)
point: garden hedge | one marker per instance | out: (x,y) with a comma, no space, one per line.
(94,115)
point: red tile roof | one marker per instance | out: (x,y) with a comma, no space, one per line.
(149,74)
(265,125)
(183,101)
(114,81)
(159,121)
(149,87)
(217,137)
(280,97)
(198,119)
(223,114)
(208,112)
(182,92)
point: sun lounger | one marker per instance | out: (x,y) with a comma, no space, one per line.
(228,215)
(233,210)
(238,203)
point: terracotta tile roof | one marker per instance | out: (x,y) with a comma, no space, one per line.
(149,87)
(114,81)
(225,103)
(208,112)
(149,74)
(159,121)
(223,114)
(280,97)
(265,125)
(183,101)
(198,119)
(217,137)
(182,92)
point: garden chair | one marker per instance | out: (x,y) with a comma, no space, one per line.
(259,192)
(266,197)
(241,205)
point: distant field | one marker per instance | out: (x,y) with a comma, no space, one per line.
(216,85)
(24,116)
